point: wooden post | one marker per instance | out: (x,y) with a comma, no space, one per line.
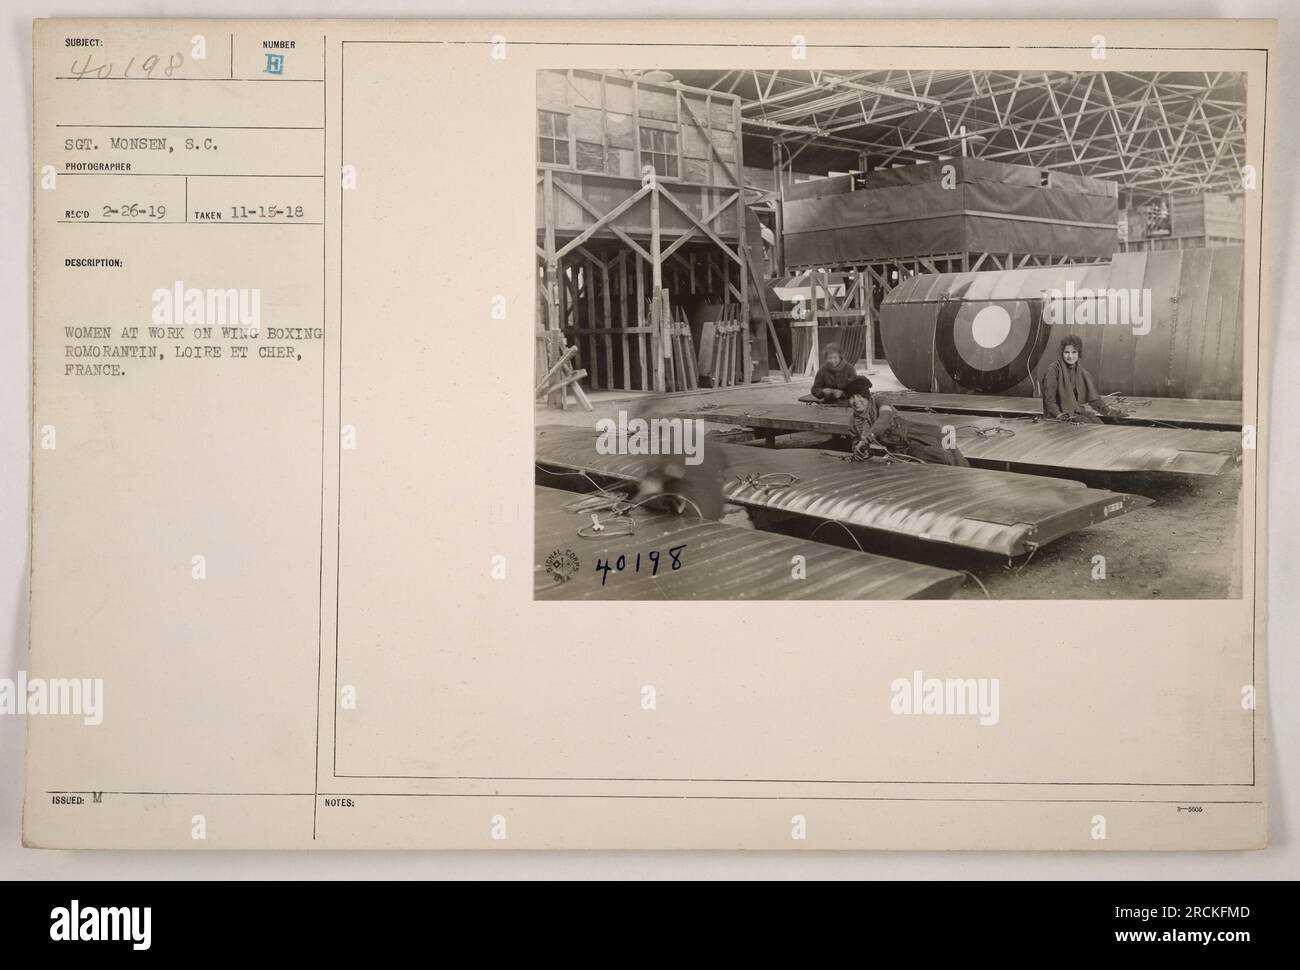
(607,306)
(771,327)
(746,350)
(641,324)
(568,315)
(588,284)
(554,281)
(622,316)
(552,265)
(864,304)
(778,240)
(656,284)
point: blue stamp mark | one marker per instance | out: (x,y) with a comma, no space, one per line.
(274,64)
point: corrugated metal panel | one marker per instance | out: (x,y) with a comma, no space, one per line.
(990,511)
(1041,444)
(1226,347)
(1115,351)
(1193,348)
(719,562)
(1183,412)
(1194,294)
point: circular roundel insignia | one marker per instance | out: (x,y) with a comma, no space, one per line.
(990,346)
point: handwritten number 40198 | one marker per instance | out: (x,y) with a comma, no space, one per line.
(151,66)
(603,566)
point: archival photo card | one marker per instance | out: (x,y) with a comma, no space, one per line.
(892,472)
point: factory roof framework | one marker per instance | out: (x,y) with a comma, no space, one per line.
(1153,133)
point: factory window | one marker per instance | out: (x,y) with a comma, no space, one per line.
(553,137)
(659,148)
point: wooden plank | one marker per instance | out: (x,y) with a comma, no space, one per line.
(581,395)
(729,352)
(720,353)
(692,378)
(737,341)
(596,214)
(656,344)
(685,210)
(604,221)
(608,323)
(679,361)
(688,352)
(736,350)
(690,233)
(566,380)
(546,378)
(718,368)
(656,284)
(742,313)
(666,341)
(642,326)
(548,214)
(724,336)
(554,316)
(708,350)
(588,283)
(622,319)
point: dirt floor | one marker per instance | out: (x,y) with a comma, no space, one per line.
(1183,546)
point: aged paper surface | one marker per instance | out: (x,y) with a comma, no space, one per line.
(289,480)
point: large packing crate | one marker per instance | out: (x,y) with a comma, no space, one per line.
(962,205)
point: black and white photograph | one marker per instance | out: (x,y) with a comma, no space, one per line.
(890,334)
(910,391)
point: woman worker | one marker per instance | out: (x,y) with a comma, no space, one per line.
(1069,390)
(885,426)
(833,376)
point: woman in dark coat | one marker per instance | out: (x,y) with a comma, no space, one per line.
(833,376)
(914,437)
(1068,387)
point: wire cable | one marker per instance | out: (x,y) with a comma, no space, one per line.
(966,572)
(651,498)
(767,481)
(812,535)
